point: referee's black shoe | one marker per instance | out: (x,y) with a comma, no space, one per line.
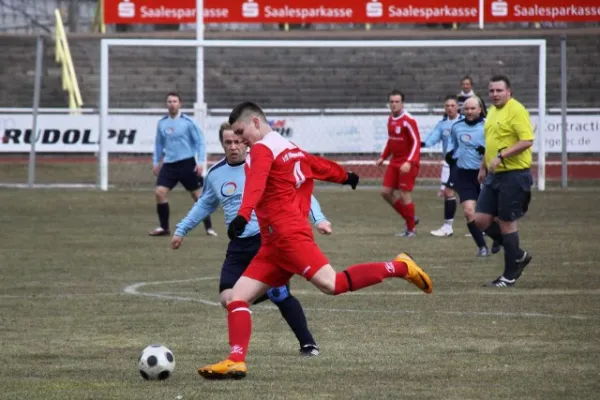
(522,263)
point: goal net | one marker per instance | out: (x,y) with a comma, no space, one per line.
(329,97)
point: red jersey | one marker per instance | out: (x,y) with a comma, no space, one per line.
(279,182)
(404,140)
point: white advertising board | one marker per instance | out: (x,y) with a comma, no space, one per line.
(314,133)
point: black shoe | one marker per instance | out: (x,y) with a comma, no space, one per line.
(501,282)
(496,247)
(309,350)
(522,263)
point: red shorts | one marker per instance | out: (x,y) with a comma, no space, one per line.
(276,262)
(405,182)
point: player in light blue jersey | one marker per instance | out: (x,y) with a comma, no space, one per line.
(179,153)
(466,86)
(465,150)
(224,186)
(441,133)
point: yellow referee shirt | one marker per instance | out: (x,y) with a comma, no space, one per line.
(503,128)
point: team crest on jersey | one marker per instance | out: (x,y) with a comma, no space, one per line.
(228,189)
(398,129)
(170,130)
(446,132)
(466,138)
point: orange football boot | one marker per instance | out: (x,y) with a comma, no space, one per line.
(225,369)
(415,274)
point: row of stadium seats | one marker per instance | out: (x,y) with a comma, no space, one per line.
(305,78)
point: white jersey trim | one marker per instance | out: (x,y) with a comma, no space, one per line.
(276,143)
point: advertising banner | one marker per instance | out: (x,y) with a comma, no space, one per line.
(350,11)
(315,133)
(291,11)
(542,11)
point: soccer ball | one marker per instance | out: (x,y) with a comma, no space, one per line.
(156,363)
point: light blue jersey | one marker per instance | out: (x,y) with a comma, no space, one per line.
(441,132)
(177,139)
(465,138)
(223,186)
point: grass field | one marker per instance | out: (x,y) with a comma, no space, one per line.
(73,320)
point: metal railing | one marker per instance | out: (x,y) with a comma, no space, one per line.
(63,57)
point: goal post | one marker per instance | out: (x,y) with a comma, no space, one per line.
(201,112)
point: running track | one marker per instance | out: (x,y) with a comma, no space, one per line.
(580,168)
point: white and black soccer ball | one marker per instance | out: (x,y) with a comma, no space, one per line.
(156,363)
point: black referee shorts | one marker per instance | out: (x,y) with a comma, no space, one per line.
(506,195)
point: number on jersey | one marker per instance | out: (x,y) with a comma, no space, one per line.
(300,178)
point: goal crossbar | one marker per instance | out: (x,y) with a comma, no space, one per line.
(105,45)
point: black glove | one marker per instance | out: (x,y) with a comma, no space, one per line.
(352,180)
(423,144)
(480,150)
(236,227)
(450,158)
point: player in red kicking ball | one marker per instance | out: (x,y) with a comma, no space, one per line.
(279,182)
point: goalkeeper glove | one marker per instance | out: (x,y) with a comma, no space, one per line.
(481,150)
(352,180)
(450,158)
(236,227)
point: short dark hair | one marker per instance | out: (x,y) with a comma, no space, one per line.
(244,109)
(467,78)
(451,97)
(174,94)
(396,92)
(225,126)
(501,78)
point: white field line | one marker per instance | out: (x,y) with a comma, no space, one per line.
(134,290)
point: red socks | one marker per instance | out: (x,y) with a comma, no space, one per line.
(239,322)
(239,317)
(363,275)
(407,211)
(398,206)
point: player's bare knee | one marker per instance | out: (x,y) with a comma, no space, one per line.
(387,195)
(324,279)
(449,193)
(483,221)
(507,226)
(469,210)
(225,297)
(327,287)
(469,215)
(405,197)
(161,194)
(247,290)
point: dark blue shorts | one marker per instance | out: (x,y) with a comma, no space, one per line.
(179,171)
(506,195)
(239,254)
(452,178)
(467,185)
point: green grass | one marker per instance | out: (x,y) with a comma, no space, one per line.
(70,332)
